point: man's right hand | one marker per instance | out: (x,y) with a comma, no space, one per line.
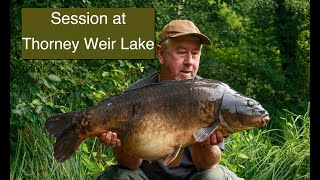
(110,139)
(207,154)
(123,159)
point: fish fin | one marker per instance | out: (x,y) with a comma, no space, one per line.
(203,133)
(178,159)
(63,127)
(172,156)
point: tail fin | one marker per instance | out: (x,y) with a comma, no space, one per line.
(63,127)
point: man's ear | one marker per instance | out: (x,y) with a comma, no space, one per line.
(160,53)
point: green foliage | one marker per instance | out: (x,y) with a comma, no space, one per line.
(95,159)
(32,158)
(48,87)
(252,155)
(267,57)
(260,48)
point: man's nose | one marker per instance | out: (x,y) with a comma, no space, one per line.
(188,60)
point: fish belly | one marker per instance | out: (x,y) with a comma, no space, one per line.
(155,137)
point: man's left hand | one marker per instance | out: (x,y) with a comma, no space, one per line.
(214,139)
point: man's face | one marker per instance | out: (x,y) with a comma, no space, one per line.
(180,60)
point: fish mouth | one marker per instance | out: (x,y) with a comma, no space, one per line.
(264,120)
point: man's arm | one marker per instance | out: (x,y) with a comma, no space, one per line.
(206,155)
(123,159)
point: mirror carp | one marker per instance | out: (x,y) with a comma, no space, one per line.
(158,120)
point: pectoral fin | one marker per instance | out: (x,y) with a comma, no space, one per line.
(203,133)
(172,156)
(178,159)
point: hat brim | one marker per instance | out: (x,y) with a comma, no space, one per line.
(204,39)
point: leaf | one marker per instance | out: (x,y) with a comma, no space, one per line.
(104,74)
(129,65)
(51,86)
(94,154)
(68,68)
(31,117)
(210,2)
(101,167)
(39,109)
(242,156)
(43,99)
(139,65)
(87,162)
(109,163)
(241,166)
(37,102)
(17,111)
(121,63)
(84,148)
(119,71)
(289,124)
(45,82)
(292,134)
(31,105)
(53,77)
(33,75)
(84,69)
(233,168)
(50,104)
(103,155)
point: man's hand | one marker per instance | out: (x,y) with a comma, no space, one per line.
(214,139)
(110,139)
(206,154)
(123,159)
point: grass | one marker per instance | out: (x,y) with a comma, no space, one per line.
(254,154)
(31,157)
(268,154)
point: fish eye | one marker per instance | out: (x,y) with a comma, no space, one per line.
(250,103)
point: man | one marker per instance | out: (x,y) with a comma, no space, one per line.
(179,51)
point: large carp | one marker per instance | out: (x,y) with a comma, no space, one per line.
(158,120)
